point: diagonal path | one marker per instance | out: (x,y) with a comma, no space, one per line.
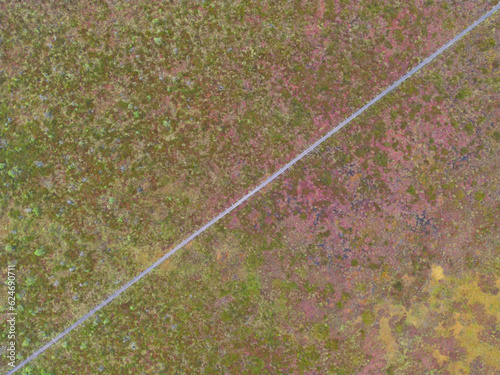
(255,190)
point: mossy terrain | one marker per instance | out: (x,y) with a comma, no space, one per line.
(378,253)
(125,126)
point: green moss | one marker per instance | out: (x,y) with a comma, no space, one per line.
(361,151)
(470,261)
(398,285)
(409,88)
(479,196)
(250,287)
(398,35)
(255,260)
(339,371)
(390,370)
(381,159)
(368,317)
(308,356)
(40,251)
(487,44)
(256,365)
(379,129)
(464,93)
(310,288)
(411,190)
(328,291)
(321,331)
(460,194)
(326,179)
(332,344)
(14,172)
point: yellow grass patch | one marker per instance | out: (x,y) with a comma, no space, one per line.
(385,335)
(437,273)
